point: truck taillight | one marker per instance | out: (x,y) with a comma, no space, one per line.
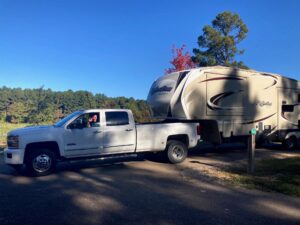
(199,129)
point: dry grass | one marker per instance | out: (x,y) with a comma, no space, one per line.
(278,175)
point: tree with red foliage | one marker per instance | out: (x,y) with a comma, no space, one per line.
(181,60)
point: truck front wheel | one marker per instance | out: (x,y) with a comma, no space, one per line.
(40,162)
(176,151)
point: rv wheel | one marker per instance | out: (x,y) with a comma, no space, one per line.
(290,143)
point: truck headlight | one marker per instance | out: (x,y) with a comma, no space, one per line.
(13,141)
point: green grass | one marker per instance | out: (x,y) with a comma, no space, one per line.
(279,175)
(6,127)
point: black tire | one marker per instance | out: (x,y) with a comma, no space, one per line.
(40,162)
(290,143)
(176,151)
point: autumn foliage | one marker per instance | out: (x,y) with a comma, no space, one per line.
(181,60)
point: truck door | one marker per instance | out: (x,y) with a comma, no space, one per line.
(119,133)
(83,137)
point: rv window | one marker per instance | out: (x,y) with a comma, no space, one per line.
(298,98)
(288,108)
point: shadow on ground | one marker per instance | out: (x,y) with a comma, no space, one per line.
(133,191)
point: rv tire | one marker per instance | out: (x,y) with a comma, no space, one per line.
(290,143)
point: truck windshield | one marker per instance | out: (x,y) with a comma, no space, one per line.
(67,118)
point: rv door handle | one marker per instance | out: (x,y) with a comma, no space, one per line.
(129,130)
(97,132)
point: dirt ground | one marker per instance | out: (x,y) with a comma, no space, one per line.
(132,190)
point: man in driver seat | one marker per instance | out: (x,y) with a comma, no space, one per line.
(93,121)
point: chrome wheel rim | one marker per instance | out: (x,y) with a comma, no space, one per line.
(41,163)
(177,152)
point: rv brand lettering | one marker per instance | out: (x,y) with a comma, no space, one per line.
(160,89)
(263,103)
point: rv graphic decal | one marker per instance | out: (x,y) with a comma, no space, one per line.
(259,120)
(214,101)
(272,77)
(222,78)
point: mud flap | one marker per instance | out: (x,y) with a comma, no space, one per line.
(210,131)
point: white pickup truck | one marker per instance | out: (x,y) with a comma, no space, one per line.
(97,133)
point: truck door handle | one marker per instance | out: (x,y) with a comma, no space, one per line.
(129,130)
(97,132)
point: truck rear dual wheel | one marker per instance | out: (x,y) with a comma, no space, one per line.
(40,162)
(176,151)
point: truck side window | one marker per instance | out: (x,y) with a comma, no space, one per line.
(86,120)
(116,118)
(93,120)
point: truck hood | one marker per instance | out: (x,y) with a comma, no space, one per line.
(30,130)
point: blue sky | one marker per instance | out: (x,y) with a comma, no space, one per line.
(120,47)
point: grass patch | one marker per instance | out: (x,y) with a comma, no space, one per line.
(5,128)
(279,175)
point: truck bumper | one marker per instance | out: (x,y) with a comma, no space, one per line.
(13,156)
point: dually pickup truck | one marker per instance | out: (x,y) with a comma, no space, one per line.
(97,133)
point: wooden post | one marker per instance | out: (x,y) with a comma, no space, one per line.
(251,152)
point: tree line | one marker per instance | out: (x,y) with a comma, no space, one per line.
(41,105)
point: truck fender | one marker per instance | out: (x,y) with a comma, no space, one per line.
(51,145)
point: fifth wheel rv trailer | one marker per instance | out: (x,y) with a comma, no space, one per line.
(237,99)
